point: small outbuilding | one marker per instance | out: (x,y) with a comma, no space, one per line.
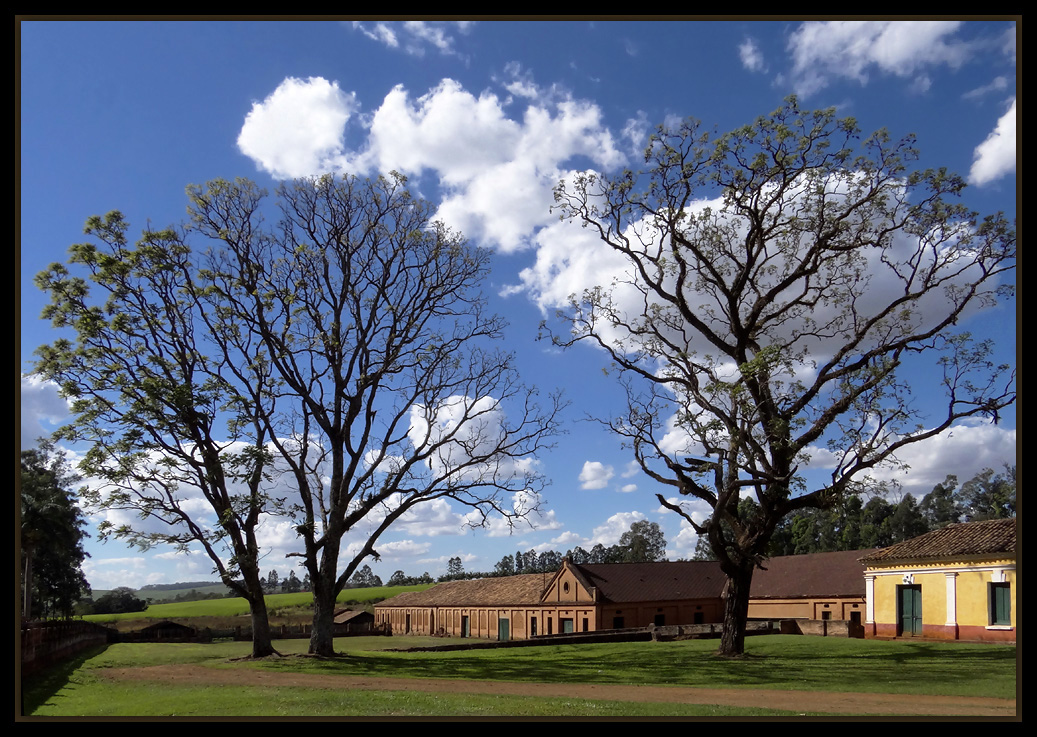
(353,621)
(955,583)
(168,631)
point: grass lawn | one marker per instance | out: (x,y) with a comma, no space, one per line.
(773,662)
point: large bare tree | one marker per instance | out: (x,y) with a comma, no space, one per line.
(778,279)
(330,359)
(392,389)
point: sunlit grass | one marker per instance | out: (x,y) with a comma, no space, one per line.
(772,662)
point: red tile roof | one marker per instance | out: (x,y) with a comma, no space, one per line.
(968,538)
(348,615)
(525,589)
(812,575)
(665,581)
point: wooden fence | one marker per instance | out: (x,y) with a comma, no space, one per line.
(47,643)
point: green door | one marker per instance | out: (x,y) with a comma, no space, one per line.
(503,630)
(466,627)
(567,626)
(910,622)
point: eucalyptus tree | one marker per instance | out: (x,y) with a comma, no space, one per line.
(776,281)
(52,533)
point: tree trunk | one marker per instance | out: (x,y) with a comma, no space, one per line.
(736,611)
(262,644)
(322,639)
(27,586)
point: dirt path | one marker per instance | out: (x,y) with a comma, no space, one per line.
(814,701)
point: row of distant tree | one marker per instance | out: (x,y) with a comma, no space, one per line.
(117,601)
(855,524)
(643,542)
(290,584)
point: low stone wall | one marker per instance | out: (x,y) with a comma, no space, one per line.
(668,633)
(822,628)
(291,632)
(571,638)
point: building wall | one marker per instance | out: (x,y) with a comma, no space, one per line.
(835,608)
(955,599)
(642,614)
(550,619)
(567,588)
(484,622)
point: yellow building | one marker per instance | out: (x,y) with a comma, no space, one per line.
(955,583)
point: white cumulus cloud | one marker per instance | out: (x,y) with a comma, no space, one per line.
(964,450)
(613,528)
(299,129)
(495,167)
(595,475)
(995,157)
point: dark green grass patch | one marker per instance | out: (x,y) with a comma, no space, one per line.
(772,662)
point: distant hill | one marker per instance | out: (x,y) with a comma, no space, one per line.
(180,585)
(162,592)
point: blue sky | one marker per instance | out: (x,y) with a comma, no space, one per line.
(484,117)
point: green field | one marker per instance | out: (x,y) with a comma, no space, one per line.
(238,607)
(773,662)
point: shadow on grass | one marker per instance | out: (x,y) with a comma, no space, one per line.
(770,663)
(41,687)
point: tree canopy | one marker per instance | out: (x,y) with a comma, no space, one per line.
(643,542)
(390,388)
(52,533)
(779,278)
(335,364)
(120,600)
(365,578)
(170,420)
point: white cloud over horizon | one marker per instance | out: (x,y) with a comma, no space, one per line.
(42,409)
(964,450)
(609,532)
